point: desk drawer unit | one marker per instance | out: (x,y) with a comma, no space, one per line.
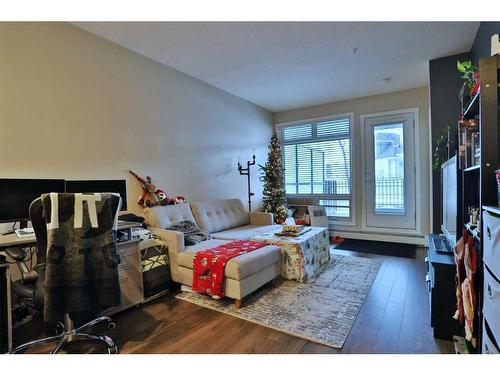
(491,238)
(130,274)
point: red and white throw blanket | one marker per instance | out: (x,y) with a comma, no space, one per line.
(209,265)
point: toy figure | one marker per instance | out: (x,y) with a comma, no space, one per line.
(148,198)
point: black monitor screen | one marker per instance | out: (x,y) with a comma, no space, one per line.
(16,196)
(99,186)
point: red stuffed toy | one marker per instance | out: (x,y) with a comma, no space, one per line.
(151,196)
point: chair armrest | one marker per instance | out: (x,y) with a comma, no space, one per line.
(175,243)
(16,253)
(261,218)
(20,256)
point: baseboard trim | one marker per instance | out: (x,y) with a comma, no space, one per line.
(414,240)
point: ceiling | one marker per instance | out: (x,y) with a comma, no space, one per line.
(287,65)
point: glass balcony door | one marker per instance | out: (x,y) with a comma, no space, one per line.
(390,171)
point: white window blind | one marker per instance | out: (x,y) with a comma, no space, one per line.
(317,160)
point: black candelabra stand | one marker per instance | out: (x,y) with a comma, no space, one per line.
(246,172)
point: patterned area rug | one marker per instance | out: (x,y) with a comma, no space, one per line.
(322,310)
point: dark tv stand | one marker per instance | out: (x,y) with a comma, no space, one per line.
(441,285)
(441,244)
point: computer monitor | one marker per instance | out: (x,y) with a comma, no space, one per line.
(99,186)
(16,196)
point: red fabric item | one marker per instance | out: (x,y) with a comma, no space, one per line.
(209,265)
(337,240)
(459,253)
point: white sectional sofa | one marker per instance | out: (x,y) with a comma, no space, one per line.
(225,220)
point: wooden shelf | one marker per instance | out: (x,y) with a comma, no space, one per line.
(475,167)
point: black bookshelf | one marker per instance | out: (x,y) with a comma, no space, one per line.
(476,177)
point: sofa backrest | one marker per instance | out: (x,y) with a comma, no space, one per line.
(215,216)
(165,216)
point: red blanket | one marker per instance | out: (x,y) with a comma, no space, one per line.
(209,265)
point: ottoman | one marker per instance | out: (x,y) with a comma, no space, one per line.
(243,274)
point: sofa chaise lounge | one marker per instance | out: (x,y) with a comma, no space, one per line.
(225,221)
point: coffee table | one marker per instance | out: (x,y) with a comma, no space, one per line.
(302,257)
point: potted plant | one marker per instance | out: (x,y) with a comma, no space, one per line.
(470,73)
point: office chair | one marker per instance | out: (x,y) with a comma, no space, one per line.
(32,290)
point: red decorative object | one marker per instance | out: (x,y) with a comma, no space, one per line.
(477,84)
(466,261)
(209,265)
(497,173)
(151,196)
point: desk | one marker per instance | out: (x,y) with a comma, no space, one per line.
(5,310)
(11,240)
(129,270)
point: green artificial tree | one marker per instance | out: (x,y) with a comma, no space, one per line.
(274,182)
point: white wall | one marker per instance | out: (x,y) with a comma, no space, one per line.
(418,97)
(73,105)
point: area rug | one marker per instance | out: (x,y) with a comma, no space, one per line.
(322,310)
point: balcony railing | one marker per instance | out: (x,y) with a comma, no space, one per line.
(389,191)
(389,194)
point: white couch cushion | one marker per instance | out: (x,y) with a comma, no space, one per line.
(165,216)
(245,232)
(216,216)
(239,267)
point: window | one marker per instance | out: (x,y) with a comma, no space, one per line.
(389,168)
(317,160)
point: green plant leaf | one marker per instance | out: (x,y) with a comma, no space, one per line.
(460,67)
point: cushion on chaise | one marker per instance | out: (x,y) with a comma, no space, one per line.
(239,267)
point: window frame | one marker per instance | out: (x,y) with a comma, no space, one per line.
(351,220)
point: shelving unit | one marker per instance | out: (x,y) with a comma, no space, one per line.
(476,176)
(473,168)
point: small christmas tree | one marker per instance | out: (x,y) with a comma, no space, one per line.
(274,182)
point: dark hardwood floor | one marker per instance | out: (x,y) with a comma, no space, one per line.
(393,319)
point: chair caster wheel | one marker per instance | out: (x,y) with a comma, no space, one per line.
(111,325)
(113,350)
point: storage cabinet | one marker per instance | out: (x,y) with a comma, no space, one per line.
(489,345)
(129,269)
(441,285)
(130,273)
(491,238)
(491,284)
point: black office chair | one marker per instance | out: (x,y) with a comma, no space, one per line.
(31,289)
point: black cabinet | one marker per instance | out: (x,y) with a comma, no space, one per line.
(441,284)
